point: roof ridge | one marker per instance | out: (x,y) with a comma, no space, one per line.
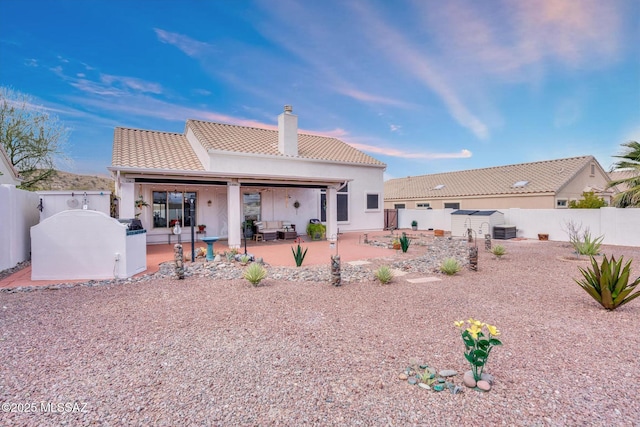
(494,167)
(258,128)
(148,130)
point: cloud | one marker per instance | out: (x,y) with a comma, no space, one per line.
(521,39)
(394,128)
(136,84)
(31,62)
(415,62)
(393,152)
(568,112)
(189,46)
(376,99)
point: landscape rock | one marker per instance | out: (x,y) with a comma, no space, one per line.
(448,373)
(468,379)
(403,377)
(483,385)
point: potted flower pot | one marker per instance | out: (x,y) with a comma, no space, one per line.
(543,236)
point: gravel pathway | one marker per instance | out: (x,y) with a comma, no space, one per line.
(206,351)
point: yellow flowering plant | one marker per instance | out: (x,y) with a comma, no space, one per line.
(478,345)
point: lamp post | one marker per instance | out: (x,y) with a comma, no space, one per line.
(192,212)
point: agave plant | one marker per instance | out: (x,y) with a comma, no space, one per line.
(255,273)
(384,274)
(609,283)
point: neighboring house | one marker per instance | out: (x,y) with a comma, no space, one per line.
(619,174)
(233,173)
(8,173)
(538,185)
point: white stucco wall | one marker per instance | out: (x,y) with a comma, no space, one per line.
(58,201)
(18,213)
(618,226)
(84,244)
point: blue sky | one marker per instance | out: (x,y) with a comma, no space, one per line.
(424,86)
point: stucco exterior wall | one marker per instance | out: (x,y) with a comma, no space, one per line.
(544,201)
(84,244)
(583,181)
(58,201)
(618,226)
(18,213)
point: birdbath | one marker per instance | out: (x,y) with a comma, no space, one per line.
(209,241)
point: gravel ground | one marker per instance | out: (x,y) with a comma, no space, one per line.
(218,352)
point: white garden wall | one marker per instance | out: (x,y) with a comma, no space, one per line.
(618,226)
(18,212)
(58,201)
(85,244)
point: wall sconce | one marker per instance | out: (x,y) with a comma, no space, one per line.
(208,202)
(41,205)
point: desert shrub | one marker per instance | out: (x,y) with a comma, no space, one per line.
(582,242)
(450,266)
(255,273)
(609,283)
(244,259)
(384,274)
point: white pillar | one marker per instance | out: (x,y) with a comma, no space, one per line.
(127,197)
(234,214)
(332,213)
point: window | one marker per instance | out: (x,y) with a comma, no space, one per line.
(452,205)
(171,208)
(399,206)
(423,205)
(593,169)
(251,206)
(561,203)
(342,201)
(373,201)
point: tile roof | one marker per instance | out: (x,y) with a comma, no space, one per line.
(136,148)
(224,137)
(619,174)
(541,177)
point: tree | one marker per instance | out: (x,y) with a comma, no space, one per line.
(630,197)
(589,201)
(32,138)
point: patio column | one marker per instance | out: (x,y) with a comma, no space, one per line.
(332,213)
(234,214)
(127,197)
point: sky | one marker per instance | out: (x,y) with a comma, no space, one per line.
(425,86)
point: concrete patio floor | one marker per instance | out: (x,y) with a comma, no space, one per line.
(350,246)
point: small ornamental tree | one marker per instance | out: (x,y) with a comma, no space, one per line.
(589,201)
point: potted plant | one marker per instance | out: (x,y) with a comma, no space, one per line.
(139,204)
(316,231)
(396,244)
(201,227)
(414,225)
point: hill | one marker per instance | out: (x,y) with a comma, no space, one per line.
(71,181)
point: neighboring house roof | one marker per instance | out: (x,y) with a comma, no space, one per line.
(538,177)
(137,148)
(9,166)
(619,174)
(243,139)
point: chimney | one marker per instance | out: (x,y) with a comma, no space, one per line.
(288,132)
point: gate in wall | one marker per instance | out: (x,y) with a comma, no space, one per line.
(390,219)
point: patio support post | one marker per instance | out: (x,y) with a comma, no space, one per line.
(234,214)
(332,213)
(127,198)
